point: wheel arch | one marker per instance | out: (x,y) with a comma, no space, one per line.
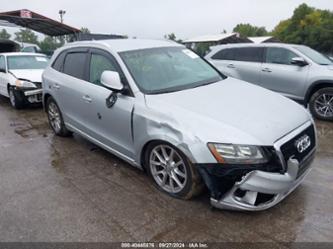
(45,98)
(8,86)
(315,87)
(171,142)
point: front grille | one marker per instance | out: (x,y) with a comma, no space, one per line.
(289,149)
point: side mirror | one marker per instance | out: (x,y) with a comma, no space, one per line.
(299,61)
(111,80)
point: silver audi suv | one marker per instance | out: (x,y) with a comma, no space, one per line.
(161,108)
(296,71)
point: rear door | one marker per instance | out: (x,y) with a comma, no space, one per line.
(223,61)
(243,63)
(278,74)
(248,61)
(68,87)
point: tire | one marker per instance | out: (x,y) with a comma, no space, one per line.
(189,181)
(55,118)
(321,104)
(16,99)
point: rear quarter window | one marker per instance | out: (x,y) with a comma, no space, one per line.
(58,62)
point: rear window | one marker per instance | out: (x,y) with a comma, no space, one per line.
(74,64)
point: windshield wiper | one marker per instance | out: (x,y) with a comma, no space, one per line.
(207,83)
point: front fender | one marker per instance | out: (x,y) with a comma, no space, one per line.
(152,126)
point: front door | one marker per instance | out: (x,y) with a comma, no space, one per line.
(279,75)
(111,126)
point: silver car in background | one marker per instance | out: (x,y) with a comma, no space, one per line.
(296,71)
(163,109)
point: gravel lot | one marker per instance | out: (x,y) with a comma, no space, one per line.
(67,189)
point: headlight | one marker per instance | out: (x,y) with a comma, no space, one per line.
(237,154)
(24,84)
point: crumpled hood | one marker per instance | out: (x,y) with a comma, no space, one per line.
(231,111)
(34,75)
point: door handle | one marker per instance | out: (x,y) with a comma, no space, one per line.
(56,86)
(87,98)
(231,66)
(267,70)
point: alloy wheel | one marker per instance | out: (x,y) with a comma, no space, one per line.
(168,168)
(54,117)
(324,105)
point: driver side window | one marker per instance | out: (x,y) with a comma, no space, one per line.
(99,64)
(279,56)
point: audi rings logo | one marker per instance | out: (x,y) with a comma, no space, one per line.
(303,143)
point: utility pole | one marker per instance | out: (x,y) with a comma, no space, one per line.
(62,13)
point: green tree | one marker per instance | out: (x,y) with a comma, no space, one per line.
(248,30)
(85,30)
(26,35)
(308,26)
(4,34)
(50,44)
(172,37)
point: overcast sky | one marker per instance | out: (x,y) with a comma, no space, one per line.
(155,18)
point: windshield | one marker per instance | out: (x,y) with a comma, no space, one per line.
(167,69)
(314,55)
(26,62)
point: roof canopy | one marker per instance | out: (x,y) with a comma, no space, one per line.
(29,19)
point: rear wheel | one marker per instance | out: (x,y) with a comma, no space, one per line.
(321,104)
(15,99)
(172,172)
(55,118)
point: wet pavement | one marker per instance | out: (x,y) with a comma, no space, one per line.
(67,189)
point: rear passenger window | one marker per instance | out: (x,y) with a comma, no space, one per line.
(99,64)
(58,62)
(75,64)
(249,54)
(225,54)
(279,56)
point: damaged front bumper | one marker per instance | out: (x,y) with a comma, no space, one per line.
(261,186)
(32,96)
(244,194)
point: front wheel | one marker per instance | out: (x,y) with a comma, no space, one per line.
(321,104)
(172,172)
(55,118)
(15,99)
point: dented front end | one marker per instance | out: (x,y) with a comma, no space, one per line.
(259,187)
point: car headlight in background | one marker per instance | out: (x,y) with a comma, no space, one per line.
(237,154)
(24,84)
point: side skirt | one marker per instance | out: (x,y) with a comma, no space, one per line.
(102,145)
